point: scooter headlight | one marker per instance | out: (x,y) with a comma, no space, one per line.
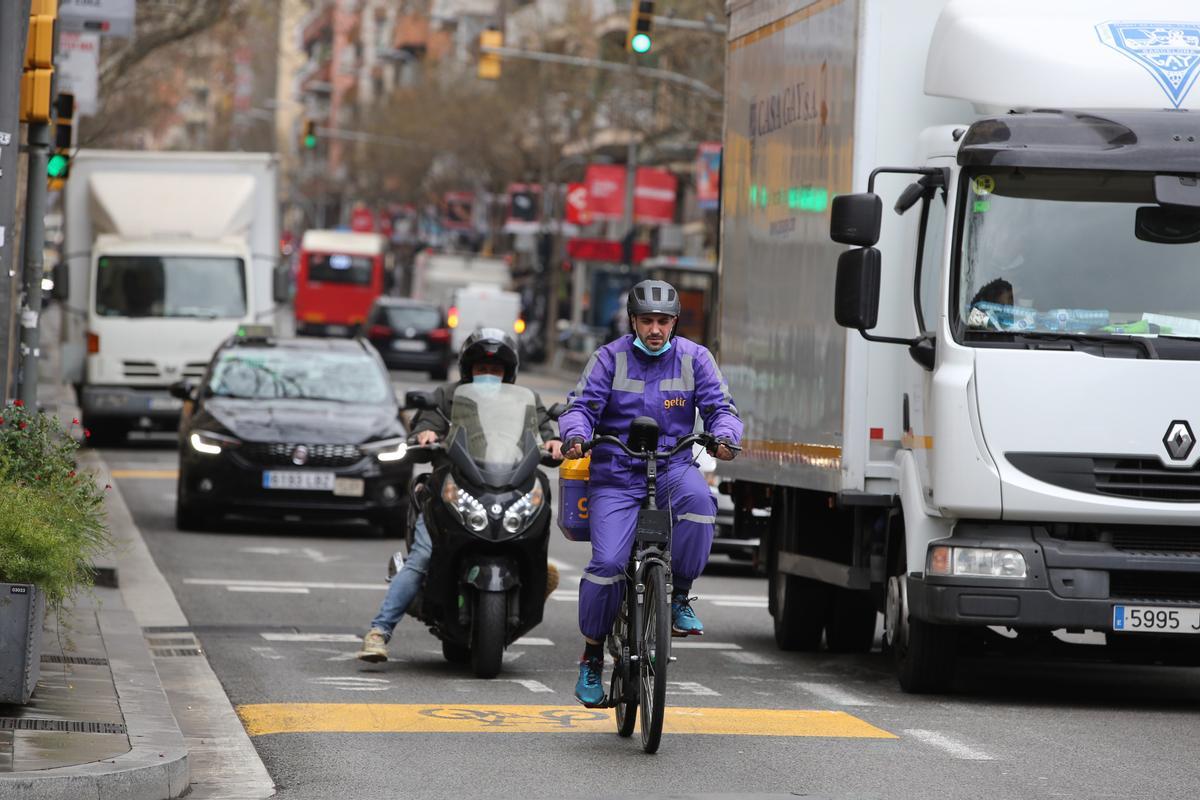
(464,506)
(521,513)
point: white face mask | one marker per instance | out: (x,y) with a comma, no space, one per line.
(488,383)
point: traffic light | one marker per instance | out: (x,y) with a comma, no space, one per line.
(39,62)
(58,168)
(309,138)
(639,39)
(489,63)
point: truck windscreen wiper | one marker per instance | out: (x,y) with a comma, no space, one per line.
(1037,341)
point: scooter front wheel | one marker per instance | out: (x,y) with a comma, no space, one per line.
(487,633)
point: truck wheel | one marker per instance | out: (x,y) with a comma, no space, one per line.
(487,633)
(850,627)
(923,654)
(799,605)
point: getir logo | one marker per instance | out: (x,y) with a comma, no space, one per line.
(674,402)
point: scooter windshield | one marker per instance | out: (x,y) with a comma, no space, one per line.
(498,422)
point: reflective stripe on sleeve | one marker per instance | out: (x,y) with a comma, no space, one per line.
(587,373)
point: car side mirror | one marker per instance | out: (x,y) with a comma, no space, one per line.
(422,401)
(856,219)
(856,301)
(557,410)
(183,390)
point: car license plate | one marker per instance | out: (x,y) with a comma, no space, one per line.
(1156,619)
(336,330)
(164,403)
(296,479)
(348,487)
(409,345)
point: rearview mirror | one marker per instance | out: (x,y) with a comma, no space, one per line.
(1167,224)
(856,219)
(856,299)
(643,434)
(182,390)
(557,410)
(1177,190)
(422,401)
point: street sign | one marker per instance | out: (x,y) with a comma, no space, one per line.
(78,69)
(103,17)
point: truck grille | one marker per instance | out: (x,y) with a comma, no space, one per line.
(279,454)
(1157,540)
(1154,586)
(1146,478)
(194,369)
(140,369)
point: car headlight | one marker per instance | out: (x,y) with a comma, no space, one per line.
(211,444)
(387,450)
(976,562)
(466,508)
(518,515)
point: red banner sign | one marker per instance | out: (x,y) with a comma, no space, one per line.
(604,250)
(579,211)
(653,195)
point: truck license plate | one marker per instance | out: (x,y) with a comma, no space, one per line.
(1156,619)
(295,479)
(164,403)
(409,345)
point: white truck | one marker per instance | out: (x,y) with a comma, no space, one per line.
(168,253)
(436,276)
(483,306)
(981,419)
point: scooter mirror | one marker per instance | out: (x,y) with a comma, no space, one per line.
(422,401)
(643,434)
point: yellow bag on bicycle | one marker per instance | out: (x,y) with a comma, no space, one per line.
(573,499)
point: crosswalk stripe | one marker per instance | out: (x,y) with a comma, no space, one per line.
(690,644)
(270,589)
(309,637)
(275,718)
(952,746)
(834,694)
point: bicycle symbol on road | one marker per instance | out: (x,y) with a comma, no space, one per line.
(491,718)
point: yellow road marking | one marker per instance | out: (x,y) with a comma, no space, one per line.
(268,718)
(146,473)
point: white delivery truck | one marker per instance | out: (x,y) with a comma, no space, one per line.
(168,253)
(1002,435)
(436,276)
(483,306)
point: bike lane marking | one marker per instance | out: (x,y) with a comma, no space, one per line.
(160,474)
(272,718)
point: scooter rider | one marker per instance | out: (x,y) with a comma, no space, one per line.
(644,373)
(487,356)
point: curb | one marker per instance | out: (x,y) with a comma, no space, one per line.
(156,766)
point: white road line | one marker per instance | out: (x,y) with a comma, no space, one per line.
(352,683)
(690,645)
(309,637)
(267,653)
(531,685)
(269,589)
(951,746)
(834,694)
(754,659)
(532,641)
(740,603)
(373,587)
(690,688)
(564,596)
(731,600)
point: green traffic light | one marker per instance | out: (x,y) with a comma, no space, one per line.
(640,43)
(56,167)
(310,141)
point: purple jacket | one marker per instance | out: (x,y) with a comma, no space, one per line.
(621,382)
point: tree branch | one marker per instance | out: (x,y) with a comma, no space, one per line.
(185,20)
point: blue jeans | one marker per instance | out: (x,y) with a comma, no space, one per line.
(407,581)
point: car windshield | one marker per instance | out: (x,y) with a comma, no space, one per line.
(418,317)
(1057,252)
(340,268)
(170,286)
(272,373)
(499,421)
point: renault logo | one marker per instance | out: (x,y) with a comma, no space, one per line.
(300,455)
(1179,440)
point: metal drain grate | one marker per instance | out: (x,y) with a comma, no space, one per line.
(95,661)
(173,652)
(60,726)
(171,641)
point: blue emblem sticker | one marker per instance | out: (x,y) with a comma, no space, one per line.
(1170,51)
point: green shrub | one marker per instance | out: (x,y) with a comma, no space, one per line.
(51,516)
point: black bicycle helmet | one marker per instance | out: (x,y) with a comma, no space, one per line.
(653,297)
(489,344)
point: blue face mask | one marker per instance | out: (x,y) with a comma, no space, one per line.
(488,383)
(640,346)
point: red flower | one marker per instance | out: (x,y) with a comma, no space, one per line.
(1,420)
(18,403)
(75,421)
(23,426)
(86,433)
(107,486)
(71,474)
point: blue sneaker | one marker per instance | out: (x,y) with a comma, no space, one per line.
(589,689)
(684,621)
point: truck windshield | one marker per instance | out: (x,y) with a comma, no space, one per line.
(263,373)
(1055,252)
(171,286)
(340,268)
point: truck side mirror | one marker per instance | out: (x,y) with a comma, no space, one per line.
(856,300)
(62,281)
(856,219)
(281,288)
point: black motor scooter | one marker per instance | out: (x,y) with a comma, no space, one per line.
(487,508)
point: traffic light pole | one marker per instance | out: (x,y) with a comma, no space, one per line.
(37,149)
(14,25)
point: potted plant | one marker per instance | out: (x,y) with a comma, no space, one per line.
(51,526)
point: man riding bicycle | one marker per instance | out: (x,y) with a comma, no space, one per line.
(649,372)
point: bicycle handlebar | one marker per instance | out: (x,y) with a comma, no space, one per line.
(706,439)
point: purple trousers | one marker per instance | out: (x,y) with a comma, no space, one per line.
(613,513)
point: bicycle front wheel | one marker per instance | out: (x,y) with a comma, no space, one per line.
(654,654)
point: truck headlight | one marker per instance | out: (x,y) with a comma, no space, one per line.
(465,507)
(387,450)
(521,513)
(975,562)
(211,444)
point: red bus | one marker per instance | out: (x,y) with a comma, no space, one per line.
(340,274)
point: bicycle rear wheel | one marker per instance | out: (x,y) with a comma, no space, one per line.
(654,653)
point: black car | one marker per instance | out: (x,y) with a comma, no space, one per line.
(306,427)
(410,334)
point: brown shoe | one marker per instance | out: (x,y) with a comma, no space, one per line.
(551,579)
(374,647)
